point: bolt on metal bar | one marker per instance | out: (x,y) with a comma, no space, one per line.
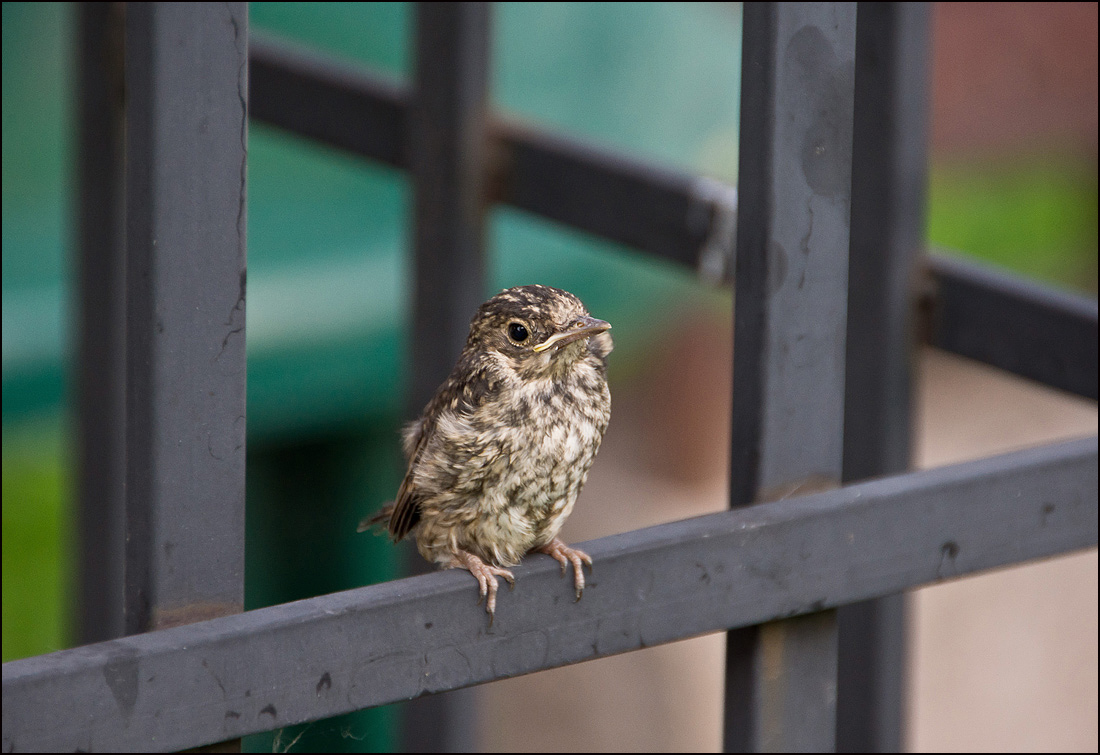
(889,176)
(791,297)
(100,387)
(186,143)
(446,150)
(317,658)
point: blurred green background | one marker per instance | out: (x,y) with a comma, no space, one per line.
(327,309)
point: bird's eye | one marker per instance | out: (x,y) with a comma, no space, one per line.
(517,332)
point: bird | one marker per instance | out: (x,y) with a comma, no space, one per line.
(501,451)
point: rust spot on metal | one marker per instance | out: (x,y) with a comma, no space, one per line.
(805,486)
(773,680)
(927,296)
(166,618)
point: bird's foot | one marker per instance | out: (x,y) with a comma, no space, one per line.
(486,575)
(565,555)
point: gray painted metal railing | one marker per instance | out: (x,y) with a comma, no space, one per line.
(811,283)
(790,324)
(316,658)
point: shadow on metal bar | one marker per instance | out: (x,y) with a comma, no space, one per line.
(226,677)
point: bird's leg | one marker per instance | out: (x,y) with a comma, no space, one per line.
(486,575)
(566,555)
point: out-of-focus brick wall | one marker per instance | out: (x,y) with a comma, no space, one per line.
(1014,75)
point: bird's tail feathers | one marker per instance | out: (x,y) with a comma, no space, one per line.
(378,521)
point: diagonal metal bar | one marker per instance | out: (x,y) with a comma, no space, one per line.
(317,658)
(1014,324)
(335,103)
(671,214)
(790,309)
(186,142)
(664,212)
(661,211)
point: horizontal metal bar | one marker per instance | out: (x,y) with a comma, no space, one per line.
(301,661)
(1005,321)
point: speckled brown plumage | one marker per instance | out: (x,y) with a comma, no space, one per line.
(503,448)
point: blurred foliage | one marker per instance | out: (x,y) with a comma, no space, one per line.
(37,533)
(1033,214)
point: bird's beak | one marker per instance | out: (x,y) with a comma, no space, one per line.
(583,327)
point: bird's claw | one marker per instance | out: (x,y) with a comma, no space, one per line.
(565,555)
(486,575)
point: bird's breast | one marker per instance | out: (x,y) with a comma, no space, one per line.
(562,430)
(517,465)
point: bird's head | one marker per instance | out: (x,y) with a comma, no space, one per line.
(539,330)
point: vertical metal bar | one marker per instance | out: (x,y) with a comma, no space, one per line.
(186,138)
(789,334)
(446,151)
(100,387)
(889,176)
(446,156)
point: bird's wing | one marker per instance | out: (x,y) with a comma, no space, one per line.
(404,513)
(458,398)
(406,509)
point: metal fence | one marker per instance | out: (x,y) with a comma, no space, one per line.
(833,291)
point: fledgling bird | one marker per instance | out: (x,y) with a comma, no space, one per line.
(501,451)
